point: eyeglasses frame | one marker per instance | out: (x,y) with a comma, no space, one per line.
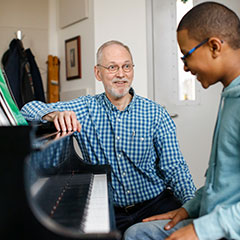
(192,50)
(99,65)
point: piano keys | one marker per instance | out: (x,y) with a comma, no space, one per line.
(64,197)
(98,206)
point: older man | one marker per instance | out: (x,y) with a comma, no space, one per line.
(134,135)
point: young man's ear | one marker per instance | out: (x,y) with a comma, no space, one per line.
(97,73)
(215,45)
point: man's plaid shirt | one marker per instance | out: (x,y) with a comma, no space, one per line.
(139,143)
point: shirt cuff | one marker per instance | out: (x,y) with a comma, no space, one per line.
(44,112)
(193,205)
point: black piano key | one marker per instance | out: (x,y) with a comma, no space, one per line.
(65,198)
(51,191)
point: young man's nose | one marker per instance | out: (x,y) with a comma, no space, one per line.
(185,68)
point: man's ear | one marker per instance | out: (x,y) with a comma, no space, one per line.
(215,45)
(97,73)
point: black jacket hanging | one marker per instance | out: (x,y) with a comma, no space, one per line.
(22,73)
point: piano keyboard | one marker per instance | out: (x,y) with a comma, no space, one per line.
(97,211)
(77,200)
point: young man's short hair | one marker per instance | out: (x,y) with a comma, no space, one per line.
(211,19)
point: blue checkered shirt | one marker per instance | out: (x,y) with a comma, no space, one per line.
(139,143)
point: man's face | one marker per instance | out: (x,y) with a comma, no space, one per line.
(116,84)
(201,62)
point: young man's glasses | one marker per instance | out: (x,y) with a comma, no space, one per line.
(128,67)
(192,50)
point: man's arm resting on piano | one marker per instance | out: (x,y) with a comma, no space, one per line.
(64,121)
(60,114)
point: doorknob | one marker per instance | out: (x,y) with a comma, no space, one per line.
(175,115)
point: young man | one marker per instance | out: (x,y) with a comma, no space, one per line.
(209,38)
(134,135)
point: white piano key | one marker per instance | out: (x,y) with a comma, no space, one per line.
(97,213)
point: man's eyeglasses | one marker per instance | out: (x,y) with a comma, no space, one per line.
(192,50)
(128,67)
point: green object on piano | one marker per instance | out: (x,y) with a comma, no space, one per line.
(8,105)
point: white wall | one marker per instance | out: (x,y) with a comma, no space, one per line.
(52,28)
(124,21)
(73,88)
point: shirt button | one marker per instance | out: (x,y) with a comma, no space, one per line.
(119,155)
(142,138)
(128,191)
(118,137)
(124,174)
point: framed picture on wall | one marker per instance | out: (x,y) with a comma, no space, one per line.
(73,58)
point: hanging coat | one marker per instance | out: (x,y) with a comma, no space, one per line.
(23,74)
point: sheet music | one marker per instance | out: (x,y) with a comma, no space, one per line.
(3,119)
(6,110)
(97,213)
(9,108)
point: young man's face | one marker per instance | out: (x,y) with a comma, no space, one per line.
(116,84)
(201,62)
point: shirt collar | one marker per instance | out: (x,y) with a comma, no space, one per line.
(111,107)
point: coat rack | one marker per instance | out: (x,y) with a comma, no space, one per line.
(19,35)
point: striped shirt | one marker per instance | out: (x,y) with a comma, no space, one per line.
(139,143)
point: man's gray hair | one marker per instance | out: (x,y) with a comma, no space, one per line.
(109,43)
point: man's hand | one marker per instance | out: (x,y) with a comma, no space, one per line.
(64,121)
(176,216)
(185,233)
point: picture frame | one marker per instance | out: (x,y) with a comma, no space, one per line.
(73,58)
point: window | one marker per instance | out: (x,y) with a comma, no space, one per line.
(186,81)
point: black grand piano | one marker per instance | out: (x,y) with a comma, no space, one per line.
(48,192)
